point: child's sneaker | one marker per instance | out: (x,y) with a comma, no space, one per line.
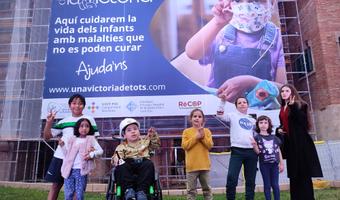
(141,195)
(130,194)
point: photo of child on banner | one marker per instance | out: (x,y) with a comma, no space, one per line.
(246,54)
(244,49)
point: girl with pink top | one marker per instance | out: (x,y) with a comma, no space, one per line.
(80,152)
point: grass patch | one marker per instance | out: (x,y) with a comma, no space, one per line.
(34,194)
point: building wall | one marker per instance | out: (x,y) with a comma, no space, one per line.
(320,23)
(23,45)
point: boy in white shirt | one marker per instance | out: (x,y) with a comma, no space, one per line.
(241,133)
(65,129)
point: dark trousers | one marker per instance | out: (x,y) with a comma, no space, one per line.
(248,158)
(270,176)
(301,188)
(136,174)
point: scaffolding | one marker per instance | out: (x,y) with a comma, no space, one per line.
(295,52)
(27,159)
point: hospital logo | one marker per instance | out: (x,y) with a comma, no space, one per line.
(93,107)
(54,107)
(131,106)
(245,123)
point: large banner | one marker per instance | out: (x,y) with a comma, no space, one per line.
(128,58)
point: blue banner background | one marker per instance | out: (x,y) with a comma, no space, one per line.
(145,67)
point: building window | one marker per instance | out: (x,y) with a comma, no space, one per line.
(299,65)
(337,38)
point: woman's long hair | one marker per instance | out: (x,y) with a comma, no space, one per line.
(298,100)
(294,93)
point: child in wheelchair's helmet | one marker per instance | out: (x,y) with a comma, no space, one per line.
(134,169)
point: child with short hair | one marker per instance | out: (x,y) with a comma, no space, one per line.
(132,158)
(197,141)
(242,153)
(267,146)
(79,151)
(64,129)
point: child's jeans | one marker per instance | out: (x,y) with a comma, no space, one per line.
(248,158)
(203,177)
(75,183)
(270,175)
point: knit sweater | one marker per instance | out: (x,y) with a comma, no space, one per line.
(196,150)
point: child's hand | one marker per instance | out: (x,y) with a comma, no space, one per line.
(280,131)
(114,160)
(222,11)
(220,109)
(87,156)
(151,131)
(199,135)
(281,167)
(236,86)
(253,141)
(90,149)
(51,116)
(200,132)
(61,142)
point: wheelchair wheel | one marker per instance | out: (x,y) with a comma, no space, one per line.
(110,189)
(157,189)
(113,190)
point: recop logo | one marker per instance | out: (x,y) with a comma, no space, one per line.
(189,104)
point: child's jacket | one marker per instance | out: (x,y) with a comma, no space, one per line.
(139,150)
(82,149)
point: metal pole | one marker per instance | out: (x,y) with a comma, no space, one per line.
(26,158)
(37,161)
(16,160)
(306,73)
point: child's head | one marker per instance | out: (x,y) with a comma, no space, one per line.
(129,129)
(83,128)
(77,104)
(264,124)
(241,104)
(251,15)
(196,117)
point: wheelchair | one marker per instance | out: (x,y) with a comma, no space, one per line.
(115,191)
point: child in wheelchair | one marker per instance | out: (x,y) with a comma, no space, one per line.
(134,170)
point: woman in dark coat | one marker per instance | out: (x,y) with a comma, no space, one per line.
(298,147)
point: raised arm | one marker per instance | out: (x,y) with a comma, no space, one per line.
(204,37)
(49,122)
(155,141)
